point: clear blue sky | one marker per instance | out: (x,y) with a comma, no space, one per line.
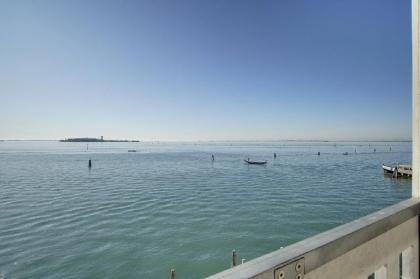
(206,70)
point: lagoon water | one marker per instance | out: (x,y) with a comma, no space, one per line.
(137,215)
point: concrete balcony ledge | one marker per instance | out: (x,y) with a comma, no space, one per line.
(395,227)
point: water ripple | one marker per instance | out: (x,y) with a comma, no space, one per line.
(138,215)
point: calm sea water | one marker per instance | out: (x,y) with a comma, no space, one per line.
(137,215)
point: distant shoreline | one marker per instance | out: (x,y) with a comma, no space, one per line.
(94,140)
(206,141)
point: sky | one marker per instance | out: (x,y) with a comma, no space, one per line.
(206,70)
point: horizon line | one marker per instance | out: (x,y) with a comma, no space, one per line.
(241,140)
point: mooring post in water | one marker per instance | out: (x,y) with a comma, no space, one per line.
(172,276)
(90,163)
(395,172)
(233,263)
(319,153)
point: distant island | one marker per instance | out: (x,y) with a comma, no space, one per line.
(94,140)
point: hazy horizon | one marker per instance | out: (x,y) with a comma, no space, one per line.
(209,71)
(220,140)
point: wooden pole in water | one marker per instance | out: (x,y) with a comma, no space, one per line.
(172,276)
(233,263)
(395,172)
(90,163)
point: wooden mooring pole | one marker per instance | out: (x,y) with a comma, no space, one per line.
(233,263)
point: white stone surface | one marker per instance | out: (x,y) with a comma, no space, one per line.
(382,251)
(416,100)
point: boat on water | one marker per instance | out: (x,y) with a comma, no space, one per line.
(132,150)
(398,171)
(388,169)
(249,162)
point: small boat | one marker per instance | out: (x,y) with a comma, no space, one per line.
(388,169)
(132,150)
(398,171)
(345,153)
(255,162)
